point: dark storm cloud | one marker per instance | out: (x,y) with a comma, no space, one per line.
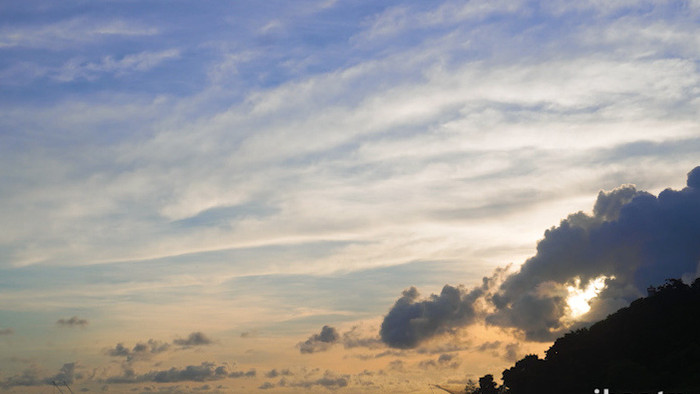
(638,238)
(31,377)
(74,321)
(207,371)
(320,342)
(194,339)
(632,236)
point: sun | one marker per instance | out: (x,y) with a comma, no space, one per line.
(579,298)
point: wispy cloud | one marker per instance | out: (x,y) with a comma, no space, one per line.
(76,69)
(70,32)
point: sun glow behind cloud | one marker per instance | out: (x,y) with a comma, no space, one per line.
(579,299)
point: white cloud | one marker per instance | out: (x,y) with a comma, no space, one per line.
(137,62)
(70,32)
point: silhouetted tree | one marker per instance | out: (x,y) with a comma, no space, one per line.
(471,387)
(650,346)
(487,385)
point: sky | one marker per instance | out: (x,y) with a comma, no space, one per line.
(351,196)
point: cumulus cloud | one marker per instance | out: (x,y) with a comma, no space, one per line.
(146,350)
(412,320)
(140,351)
(207,371)
(74,321)
(329,336)
(632,240)
(320,342)
(194,339)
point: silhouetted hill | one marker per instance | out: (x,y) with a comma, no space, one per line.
(653,345)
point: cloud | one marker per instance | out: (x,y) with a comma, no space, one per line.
(354,338)
(411,320)
(632,236)
(146,350)
(396,365)
(266,386)
(194,339)
(632,240)
(329,380)
(509,352)
(207,371)
(273,373)
(140,351)
(6,331)
(443,361)
(489,346)
(137,62)
(320,342)
(512,352)
(69,32)
(251,373)
(74,321)
(329,336)
(31,377)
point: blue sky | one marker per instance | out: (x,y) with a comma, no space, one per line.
(268,168)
